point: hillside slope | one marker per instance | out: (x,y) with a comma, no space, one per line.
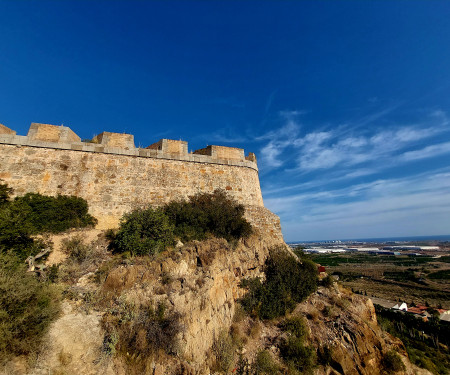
(101,328)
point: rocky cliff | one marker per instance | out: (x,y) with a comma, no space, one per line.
(199,282)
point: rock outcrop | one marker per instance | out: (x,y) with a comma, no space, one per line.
(200,282)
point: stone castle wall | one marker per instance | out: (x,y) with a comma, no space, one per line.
(115,177)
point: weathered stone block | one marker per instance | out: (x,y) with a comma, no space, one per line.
(52,133)
(119,140)
(6,130)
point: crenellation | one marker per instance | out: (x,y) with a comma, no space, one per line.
(115,140)
(170,146)
(222,152)
(114,176)
(52,133)
(251,157)
(6,130)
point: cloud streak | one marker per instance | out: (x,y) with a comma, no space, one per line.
(337,147)
(380,208)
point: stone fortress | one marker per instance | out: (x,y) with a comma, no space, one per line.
(115,177)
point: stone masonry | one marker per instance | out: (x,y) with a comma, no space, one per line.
(114,176)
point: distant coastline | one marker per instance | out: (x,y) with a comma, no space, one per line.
(445,237)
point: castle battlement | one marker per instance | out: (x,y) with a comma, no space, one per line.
(63,138)
(114,176)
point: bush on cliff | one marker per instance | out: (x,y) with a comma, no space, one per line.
(149,231)
(56,214)
(27,307)
(293,350)
(287,283)
(31,214)
(141,330)
(5,193)
(144,232)
(206,214)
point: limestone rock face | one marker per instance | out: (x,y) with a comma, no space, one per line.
(200,281)
(347,323)
(203,288)
(73,345)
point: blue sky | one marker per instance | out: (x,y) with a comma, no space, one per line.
(345,103)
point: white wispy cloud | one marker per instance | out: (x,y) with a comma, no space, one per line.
(382,207)
(340,147)
(427,152)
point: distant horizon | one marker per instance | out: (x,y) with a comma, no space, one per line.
(442,237)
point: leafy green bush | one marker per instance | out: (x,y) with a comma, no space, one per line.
(205,214)
(294,326)
(293,349)
(27,307)
(287,283)
(35,213)
(144,232)
(5,193)
(151,230)
(328,281)
(56,214)
(264,364)
(392,362)
(16,230)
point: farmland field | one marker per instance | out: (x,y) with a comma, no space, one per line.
(424,279)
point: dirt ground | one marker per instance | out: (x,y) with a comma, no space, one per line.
(57,255)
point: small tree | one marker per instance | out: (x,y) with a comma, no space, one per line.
(204,214)
(287,283)
(144,232)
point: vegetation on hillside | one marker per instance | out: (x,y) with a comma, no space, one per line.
(149,231)
(206,214)
(294,349)
(29,304)
(427,343)
(27,307)
(141,330)
(25,216)
(144,232)
(288,282)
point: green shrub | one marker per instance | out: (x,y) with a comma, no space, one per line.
(264,364)
(141,330)
(205,214)
(75,248)
(392,362)
(16,230)
(287,283)
(297,355)
(294,326)
(5,194)
(56,214)
(328,281)
(293,349)
(144,232)
(149,231)
(32,214)
(27,307)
